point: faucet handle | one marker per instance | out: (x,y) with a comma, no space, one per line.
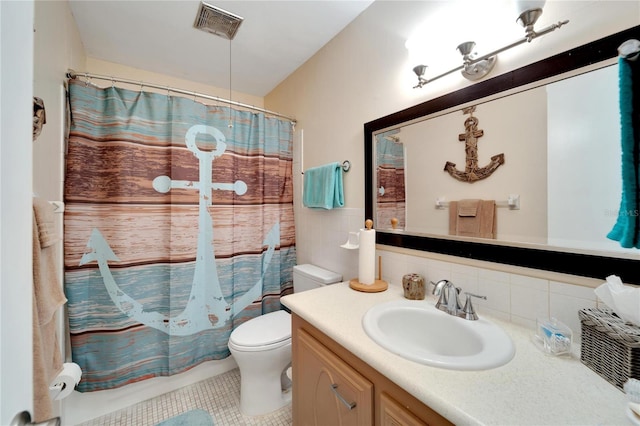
(468,312)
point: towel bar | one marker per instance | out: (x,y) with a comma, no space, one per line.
(346,166)
(512,202)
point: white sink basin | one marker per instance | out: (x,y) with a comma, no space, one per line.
(416,330)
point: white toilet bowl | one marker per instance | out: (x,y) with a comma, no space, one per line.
(262,350)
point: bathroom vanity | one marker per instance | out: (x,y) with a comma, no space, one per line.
(330,348)
(332,386)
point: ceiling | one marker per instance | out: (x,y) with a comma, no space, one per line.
(274,39)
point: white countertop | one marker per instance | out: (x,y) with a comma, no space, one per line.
(532,389)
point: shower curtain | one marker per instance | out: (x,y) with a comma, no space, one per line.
(178,227)
(390,200)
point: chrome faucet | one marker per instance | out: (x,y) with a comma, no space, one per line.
(449,302)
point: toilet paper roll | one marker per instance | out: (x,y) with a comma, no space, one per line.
(67,380)
(367,257)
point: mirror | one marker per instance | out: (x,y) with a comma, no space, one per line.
(559,227)
(540,134)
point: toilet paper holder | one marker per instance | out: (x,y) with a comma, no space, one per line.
(71,374)
(56,390)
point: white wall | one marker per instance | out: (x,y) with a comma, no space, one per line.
(578,176)
(16,112)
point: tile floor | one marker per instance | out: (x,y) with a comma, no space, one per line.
(219,395)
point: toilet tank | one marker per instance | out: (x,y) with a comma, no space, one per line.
(307,277)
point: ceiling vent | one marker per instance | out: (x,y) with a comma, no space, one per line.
(217,21)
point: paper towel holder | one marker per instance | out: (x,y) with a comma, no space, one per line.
(379,284)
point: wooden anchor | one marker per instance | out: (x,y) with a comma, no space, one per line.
(472,172)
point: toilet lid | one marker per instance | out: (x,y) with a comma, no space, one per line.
(264,330)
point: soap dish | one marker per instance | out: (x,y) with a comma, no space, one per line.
(553,337)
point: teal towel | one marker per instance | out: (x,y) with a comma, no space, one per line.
(627,227)
(323,187)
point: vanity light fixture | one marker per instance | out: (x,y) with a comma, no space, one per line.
(474,68)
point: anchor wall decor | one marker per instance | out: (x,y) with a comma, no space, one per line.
(206,307)
(472,172)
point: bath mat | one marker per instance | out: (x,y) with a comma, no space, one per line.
(190,418)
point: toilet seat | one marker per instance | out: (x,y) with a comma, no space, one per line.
(269,331)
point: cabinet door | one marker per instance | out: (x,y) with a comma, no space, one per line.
(327,391)
(394,414)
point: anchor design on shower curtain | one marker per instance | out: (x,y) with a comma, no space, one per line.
(207,307)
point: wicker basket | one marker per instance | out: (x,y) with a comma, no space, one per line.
(610,346)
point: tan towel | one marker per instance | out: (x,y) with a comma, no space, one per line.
(472,218)
(45,217)
(468,218)
(468,208)
(47,299)
(488,224)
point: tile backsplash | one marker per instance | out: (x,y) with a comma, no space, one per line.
(513,297)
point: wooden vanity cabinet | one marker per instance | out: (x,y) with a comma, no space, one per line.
(328,379)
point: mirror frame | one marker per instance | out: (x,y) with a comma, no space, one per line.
(558,260)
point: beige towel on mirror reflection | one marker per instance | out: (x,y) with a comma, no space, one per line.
(473,218)
(47,299)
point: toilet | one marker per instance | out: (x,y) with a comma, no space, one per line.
(262,349)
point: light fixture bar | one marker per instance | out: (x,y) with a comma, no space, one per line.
(530,35)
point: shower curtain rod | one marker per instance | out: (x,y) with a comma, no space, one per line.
(75,75)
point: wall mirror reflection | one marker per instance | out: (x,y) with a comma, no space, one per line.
(561,144)
(557,193)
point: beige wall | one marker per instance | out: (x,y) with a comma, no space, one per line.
(431,143)
(105,68)
(364,73)
(57,47)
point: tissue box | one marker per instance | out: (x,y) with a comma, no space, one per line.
(610,346)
